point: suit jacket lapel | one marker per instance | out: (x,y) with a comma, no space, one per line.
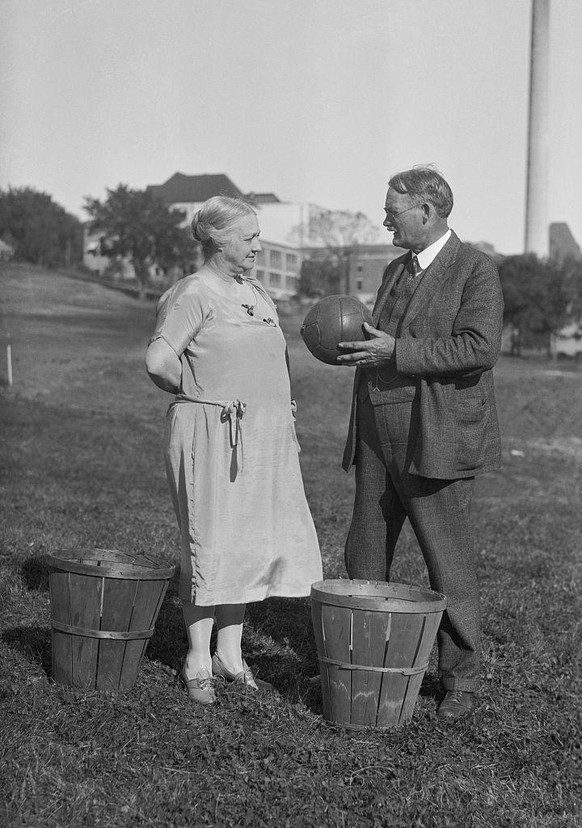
(435,275)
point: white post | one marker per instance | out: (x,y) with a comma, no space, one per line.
(9,361)
(536,218)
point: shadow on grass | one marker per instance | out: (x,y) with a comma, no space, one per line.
(281,648)
(430,687)
(168,644)
(35,572)
(34,643)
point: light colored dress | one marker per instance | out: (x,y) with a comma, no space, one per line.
(231,450)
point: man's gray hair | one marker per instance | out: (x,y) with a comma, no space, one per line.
(425,184)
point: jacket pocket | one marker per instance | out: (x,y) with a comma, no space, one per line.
(467,401)
(471,419)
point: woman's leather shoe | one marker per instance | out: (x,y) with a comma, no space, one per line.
(245,677)
(201,687)
(456,703)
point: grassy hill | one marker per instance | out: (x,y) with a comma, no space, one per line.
(82,466)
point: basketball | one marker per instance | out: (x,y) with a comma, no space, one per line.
(334,319)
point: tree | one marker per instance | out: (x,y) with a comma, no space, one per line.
(40,230)
(572,286)
(135,225)
(333,234)
(540,296)
(338,229)
(320,277)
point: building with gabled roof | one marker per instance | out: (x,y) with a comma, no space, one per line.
(263,198)
(194,189)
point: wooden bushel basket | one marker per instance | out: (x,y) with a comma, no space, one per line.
(373,642)
(104,605)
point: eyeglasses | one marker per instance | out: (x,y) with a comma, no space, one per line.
(391,216)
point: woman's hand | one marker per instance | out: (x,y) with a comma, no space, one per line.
(369,353)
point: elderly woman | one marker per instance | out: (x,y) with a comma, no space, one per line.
(232,454)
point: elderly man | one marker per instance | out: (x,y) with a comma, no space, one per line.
(424,421)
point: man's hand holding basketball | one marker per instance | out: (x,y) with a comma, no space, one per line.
(369,353)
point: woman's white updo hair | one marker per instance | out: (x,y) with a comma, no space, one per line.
(211,223)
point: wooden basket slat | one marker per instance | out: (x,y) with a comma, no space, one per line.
(85,602)
(61,644)
(85,598)
(401,649)
(432,623)
(336,626)
(73,601)
(118,603)
(148,601)
(369,636)
(317,621)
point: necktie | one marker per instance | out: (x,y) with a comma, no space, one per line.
(415,267)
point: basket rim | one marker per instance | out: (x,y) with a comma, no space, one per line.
(379,596)
(112,563)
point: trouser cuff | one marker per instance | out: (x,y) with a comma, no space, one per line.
(465,685)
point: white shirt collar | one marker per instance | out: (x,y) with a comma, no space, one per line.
(429,254)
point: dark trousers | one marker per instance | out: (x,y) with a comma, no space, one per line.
(438,510)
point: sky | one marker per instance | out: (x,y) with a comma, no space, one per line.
(318,101)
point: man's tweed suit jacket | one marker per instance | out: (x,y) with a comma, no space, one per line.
(448,341)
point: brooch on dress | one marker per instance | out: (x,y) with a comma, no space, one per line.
(250,309)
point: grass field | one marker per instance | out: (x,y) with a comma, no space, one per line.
(81,438)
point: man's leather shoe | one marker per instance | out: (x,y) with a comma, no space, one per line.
(455,705)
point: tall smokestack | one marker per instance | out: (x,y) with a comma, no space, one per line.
(536,217)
